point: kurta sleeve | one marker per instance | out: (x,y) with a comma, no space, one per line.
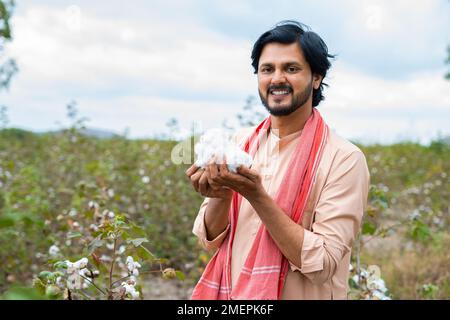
(337,217)
(199,230)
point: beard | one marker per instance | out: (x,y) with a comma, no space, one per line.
(299,99)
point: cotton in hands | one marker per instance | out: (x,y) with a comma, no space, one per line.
(217,144)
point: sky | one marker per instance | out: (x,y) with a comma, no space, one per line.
(132,66)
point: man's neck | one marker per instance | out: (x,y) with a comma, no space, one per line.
(285,125)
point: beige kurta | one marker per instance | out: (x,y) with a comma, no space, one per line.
(332,218)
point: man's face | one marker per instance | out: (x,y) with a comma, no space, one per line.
(285,82)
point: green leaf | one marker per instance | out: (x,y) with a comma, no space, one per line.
(94,244)
(44,275)
(72,235)
(137,241)
(60,265)
(137,230)
(6,222)
(420,231)
(180,275)
(23,293)
(368,228)
(39,285)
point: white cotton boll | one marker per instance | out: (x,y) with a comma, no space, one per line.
(81,263)
(69,264)
(53,251)
(131,290)
(130,263)
(110,193)
(236,157)
(218,144)
(84,272)
(134,294)
(376,284)
(93,205)
(74,281)
(380,295)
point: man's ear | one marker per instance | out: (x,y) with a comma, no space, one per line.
(317,80)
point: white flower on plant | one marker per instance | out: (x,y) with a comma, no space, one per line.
(378,295)
(376,284)
(141,172)
(93,205)
(132,266)
(110,193)
(122,249)
(53,251)
(217,144)
(73,212)
(105,258)
(130,289)
(145,179)
(74,272)
(111,214)
(415,215)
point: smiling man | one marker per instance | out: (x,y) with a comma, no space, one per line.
(284,228)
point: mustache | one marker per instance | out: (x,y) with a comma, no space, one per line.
(280,87)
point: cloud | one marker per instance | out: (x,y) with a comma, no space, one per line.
(375,109)
(139,73)
(112,52)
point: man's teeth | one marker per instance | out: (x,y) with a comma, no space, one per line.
(279,92)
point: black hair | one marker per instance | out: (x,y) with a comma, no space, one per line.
(314,49)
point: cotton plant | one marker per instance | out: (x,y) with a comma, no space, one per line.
(110,266)
(215,145)
(367,284)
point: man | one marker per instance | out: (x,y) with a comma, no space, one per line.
(284,228)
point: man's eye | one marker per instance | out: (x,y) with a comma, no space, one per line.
(293,69)
(265,70)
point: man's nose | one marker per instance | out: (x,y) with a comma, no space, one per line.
(278,77)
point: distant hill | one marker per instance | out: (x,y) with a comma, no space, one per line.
(90,132)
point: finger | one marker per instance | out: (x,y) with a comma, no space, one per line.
(233,180)
(191,170)
(213,170)
(248,173)
(195,178)
(208,176)
(203,184)
(223,168)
